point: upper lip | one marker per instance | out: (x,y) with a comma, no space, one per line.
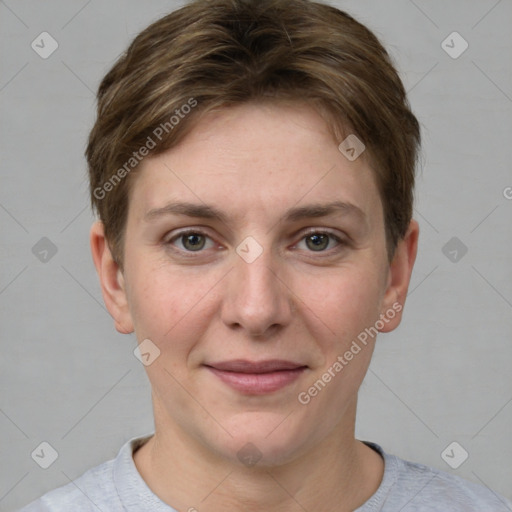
(244,366)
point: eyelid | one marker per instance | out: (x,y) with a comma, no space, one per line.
(185,231)
(327,231)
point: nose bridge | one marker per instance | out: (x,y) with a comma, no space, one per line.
(256,299)
(258,281)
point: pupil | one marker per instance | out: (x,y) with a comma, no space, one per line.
(318,241)
(193,242)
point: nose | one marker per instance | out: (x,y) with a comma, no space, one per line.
(256,298)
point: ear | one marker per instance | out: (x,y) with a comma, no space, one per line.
(111,280)
(399,276)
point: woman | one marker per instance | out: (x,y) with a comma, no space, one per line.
(252,165)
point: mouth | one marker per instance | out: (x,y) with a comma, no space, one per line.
(257,377)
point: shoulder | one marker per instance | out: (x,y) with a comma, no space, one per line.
(433,485)
(87,493)
(420,488)
(101,487)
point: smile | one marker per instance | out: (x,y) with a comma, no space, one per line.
(257,378)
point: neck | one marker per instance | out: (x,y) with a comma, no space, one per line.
(339,473)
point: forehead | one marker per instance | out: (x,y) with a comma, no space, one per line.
(256,159)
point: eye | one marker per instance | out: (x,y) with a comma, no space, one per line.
(191,241)
(320,241)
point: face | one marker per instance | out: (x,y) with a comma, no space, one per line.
(254,256)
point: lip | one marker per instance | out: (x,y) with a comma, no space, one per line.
(257,377)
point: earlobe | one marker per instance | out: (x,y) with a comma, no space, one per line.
(111,280)
(400,270)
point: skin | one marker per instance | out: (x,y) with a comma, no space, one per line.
(254,163)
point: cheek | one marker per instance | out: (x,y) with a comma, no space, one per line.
(340,304)
(170,306)
(154,308)
(347,305)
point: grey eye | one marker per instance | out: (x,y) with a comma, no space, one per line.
(318,241)
(193,241)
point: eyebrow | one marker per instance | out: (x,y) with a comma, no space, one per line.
(294,214)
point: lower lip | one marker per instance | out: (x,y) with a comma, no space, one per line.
(258,383)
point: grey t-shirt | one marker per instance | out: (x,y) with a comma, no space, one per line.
(116,486)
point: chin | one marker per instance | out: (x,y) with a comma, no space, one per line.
(263,439)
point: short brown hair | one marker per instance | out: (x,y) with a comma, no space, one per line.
(213,54)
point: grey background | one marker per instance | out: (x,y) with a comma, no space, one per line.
(67,377)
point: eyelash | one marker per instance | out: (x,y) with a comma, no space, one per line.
(340,241)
